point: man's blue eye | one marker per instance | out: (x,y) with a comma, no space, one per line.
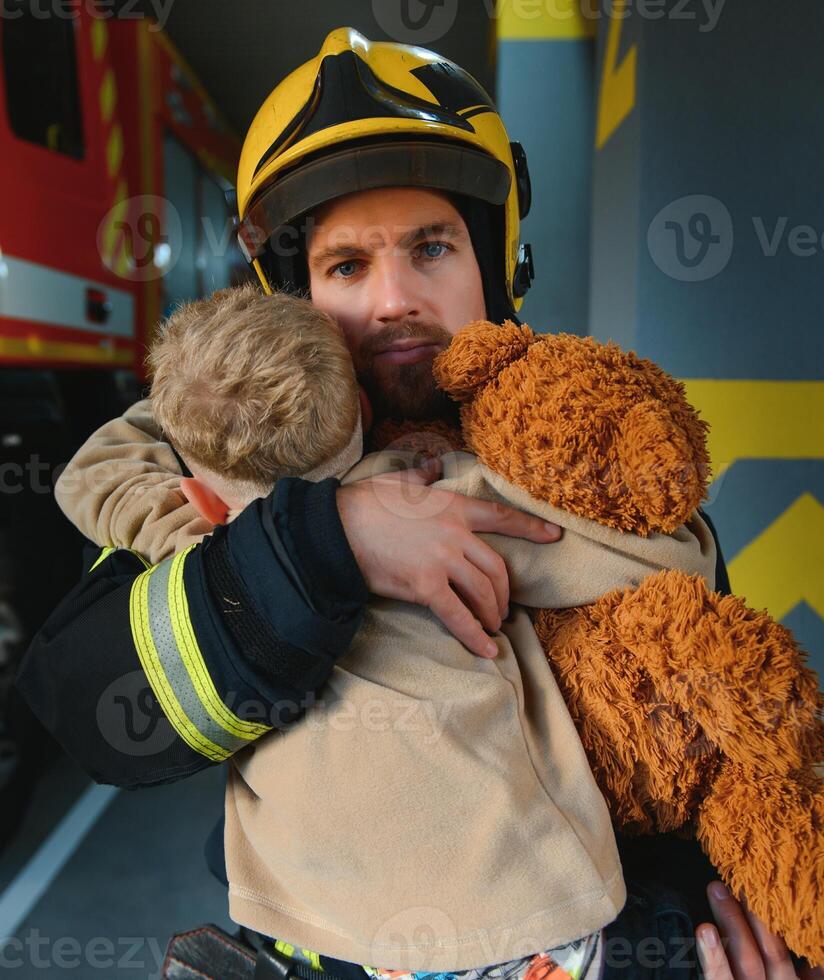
(342,269)
(437,245)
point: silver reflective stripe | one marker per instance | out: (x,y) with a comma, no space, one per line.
(31,291)
(177,676)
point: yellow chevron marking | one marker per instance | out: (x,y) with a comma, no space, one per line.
(47,350)
(117,213)
(114,150)
(784,565)
(108,96)
(760,419)
(536,20)
(122,265)
(100,37)
(616,98)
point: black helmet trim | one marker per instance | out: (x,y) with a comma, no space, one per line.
(443,166)
(347,89)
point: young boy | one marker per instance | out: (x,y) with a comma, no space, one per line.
(436,812)
(250,388)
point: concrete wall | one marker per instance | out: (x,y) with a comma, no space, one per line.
(707,256)
(546,62)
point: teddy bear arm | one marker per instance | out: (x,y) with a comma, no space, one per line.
(765,835)
(736,671)
(643,754)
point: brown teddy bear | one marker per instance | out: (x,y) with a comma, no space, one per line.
(691,706)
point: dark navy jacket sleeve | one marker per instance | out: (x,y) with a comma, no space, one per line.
(146,674)
(722,578)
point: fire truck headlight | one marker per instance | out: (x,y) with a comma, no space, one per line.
(162,255)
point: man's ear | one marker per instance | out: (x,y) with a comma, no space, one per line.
(205,501)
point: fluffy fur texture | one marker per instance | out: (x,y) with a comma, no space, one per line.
(600,432)
(694,710)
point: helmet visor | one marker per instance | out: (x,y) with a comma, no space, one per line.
(447,167)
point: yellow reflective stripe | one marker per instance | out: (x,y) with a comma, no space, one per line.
(104,554)
(193,659)
(99,351)
(150,661)
(313,957)
(110,550)
(308,955)
(137,554)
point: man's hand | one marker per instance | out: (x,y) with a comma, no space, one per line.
(417,543)
(745,948)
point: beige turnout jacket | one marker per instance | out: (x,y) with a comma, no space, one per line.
(436,811)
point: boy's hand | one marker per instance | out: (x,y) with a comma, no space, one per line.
(745,948)
(417,543)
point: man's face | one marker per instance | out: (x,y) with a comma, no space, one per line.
(396,268)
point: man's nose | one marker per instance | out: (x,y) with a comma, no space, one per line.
(395,295)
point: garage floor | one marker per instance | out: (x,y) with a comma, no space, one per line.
(130,872)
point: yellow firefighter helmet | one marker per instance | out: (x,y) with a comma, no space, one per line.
(365,114)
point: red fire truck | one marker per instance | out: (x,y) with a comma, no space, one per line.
(115,167)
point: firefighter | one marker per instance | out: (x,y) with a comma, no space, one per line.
(363,137)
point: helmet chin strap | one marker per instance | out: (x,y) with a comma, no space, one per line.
(285,264)
(486,231)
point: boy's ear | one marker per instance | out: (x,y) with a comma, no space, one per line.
(205,501)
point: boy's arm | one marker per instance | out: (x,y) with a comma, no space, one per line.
(148,674)
(122,488)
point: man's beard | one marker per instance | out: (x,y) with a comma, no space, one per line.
(403,391)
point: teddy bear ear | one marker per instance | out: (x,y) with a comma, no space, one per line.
(477,353)
(663,470)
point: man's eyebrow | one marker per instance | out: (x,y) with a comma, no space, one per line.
(441,229)
(334,252)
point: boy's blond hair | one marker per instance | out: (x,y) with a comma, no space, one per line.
(253,387)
